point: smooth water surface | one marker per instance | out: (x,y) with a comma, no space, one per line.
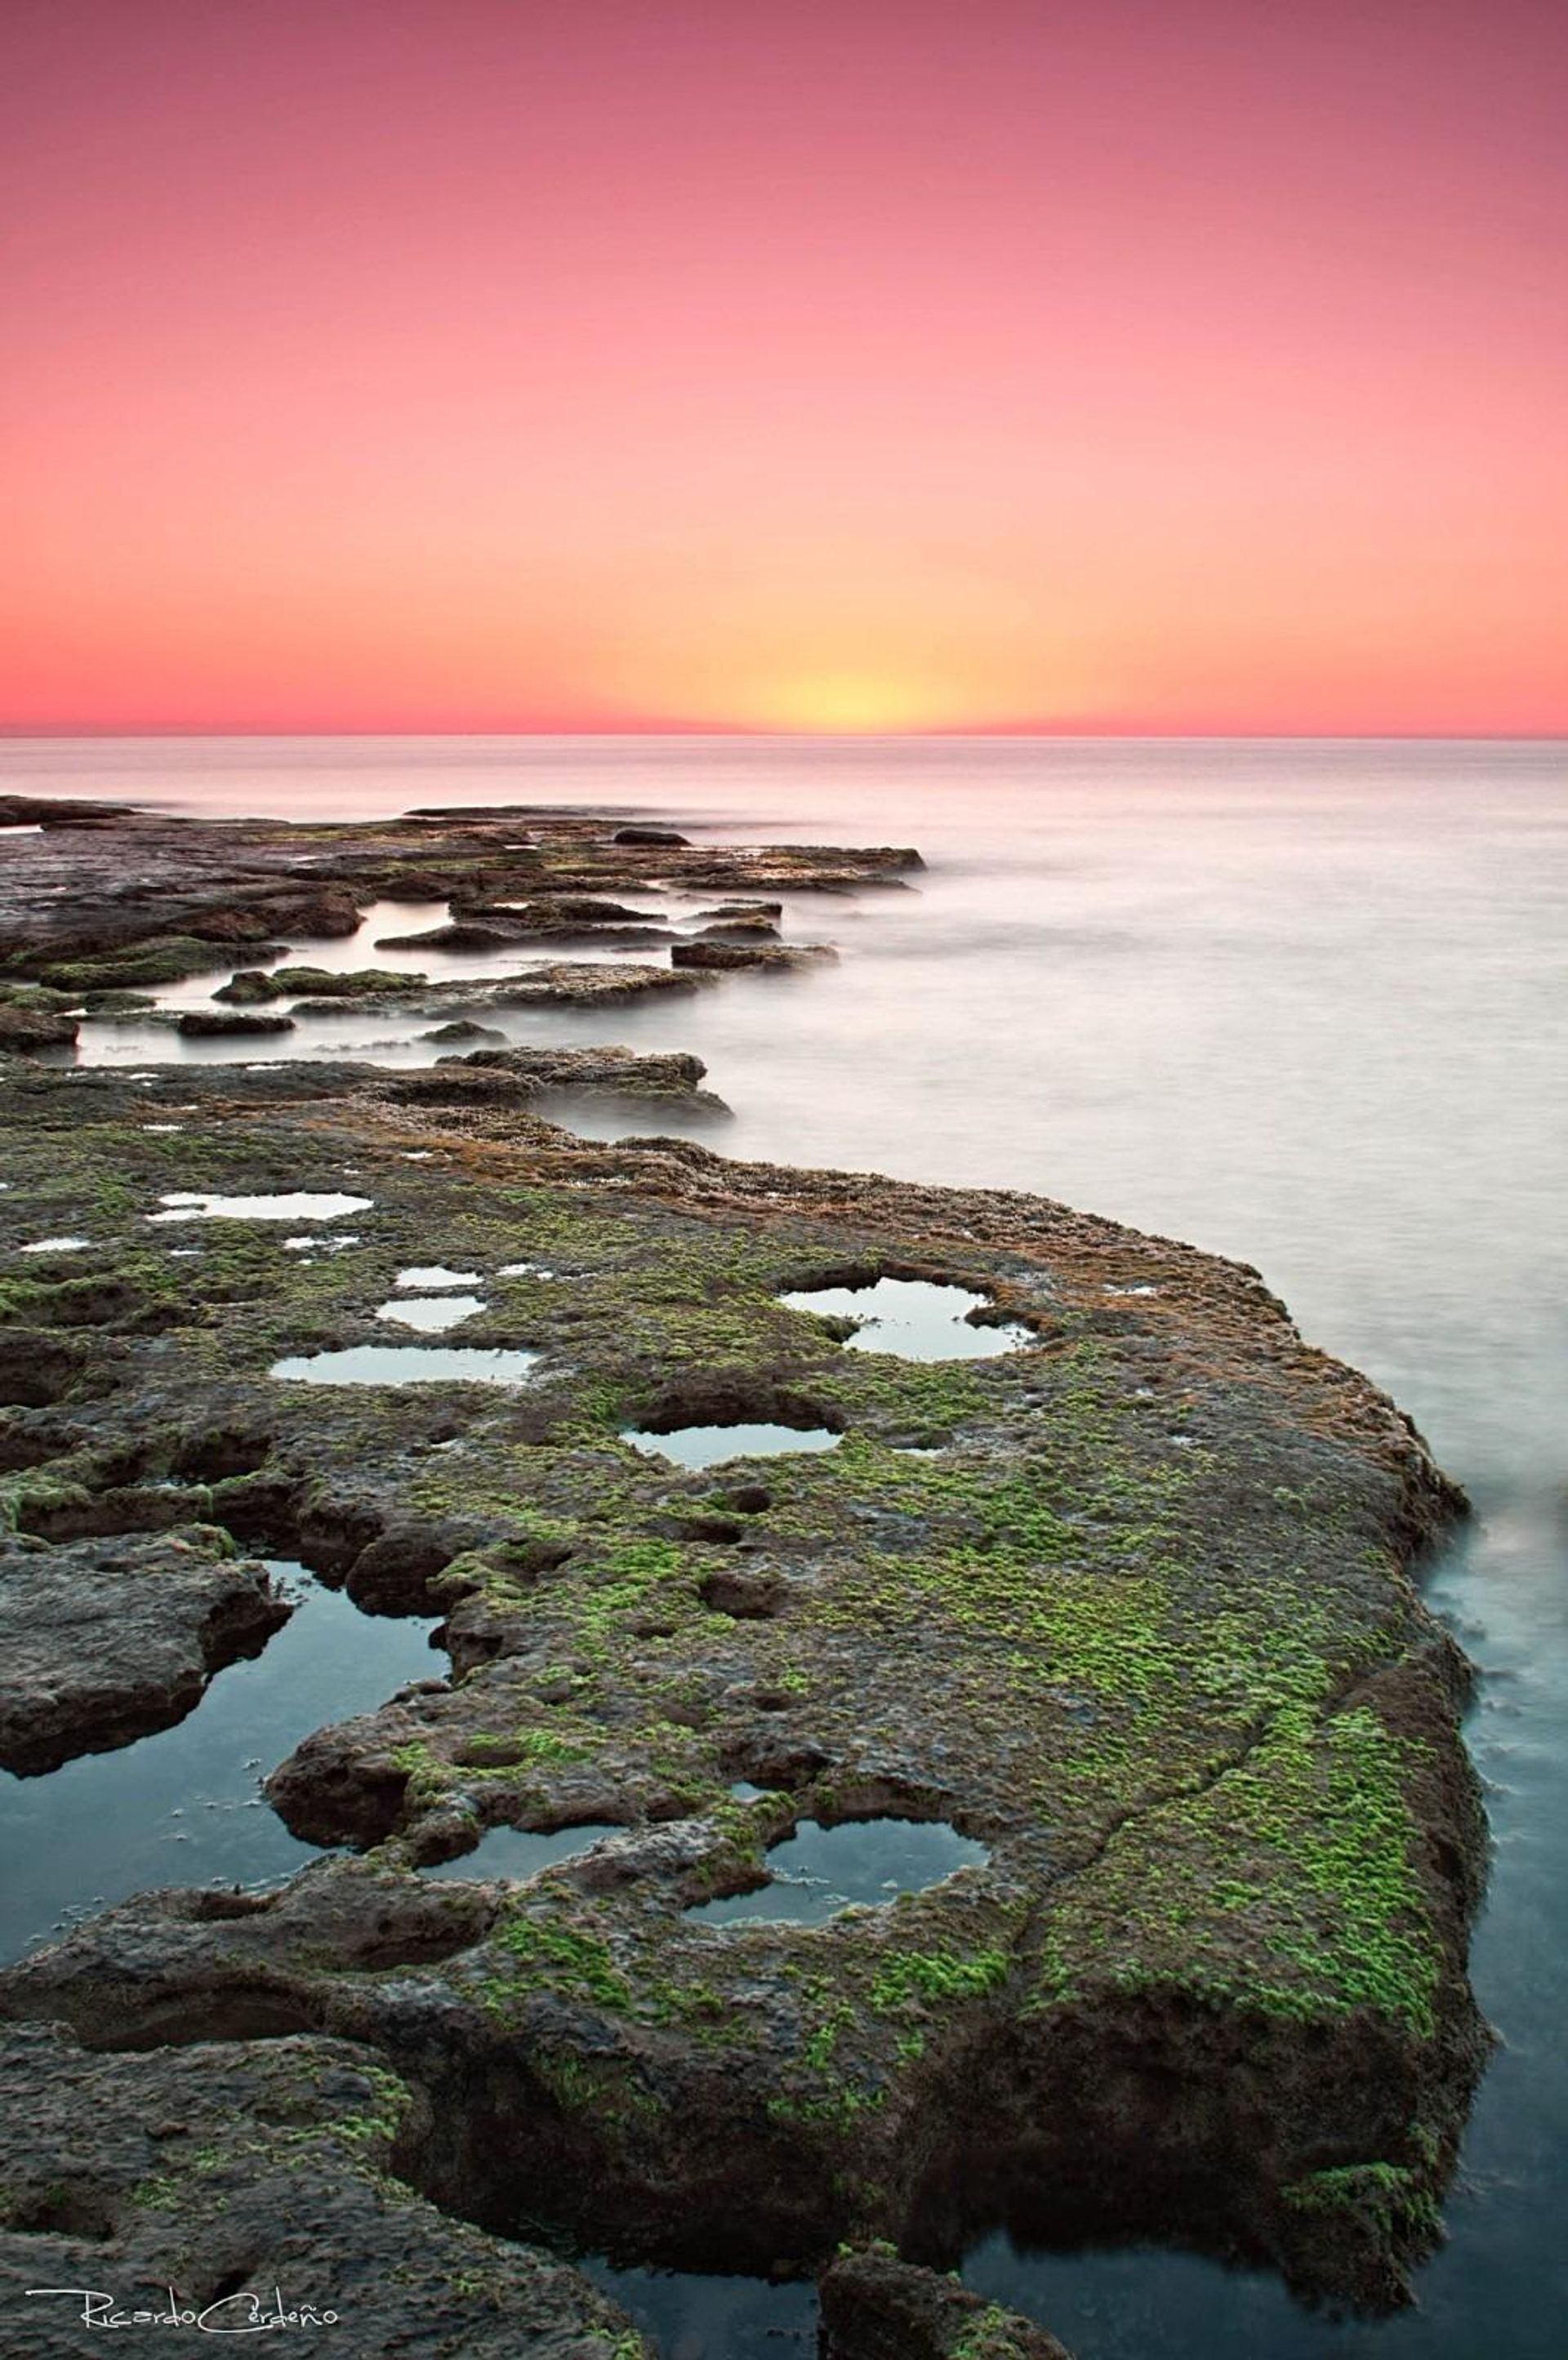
(715,1445)
(692,2318)
(429,1315)
(407,1364)
(1298,1002)
(301,1205)
(517,1853)
(913,1319)
(819,1871)
(184,1806)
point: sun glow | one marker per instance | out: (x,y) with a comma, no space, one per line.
(852,703)
(832,369)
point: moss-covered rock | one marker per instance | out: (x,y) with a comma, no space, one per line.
(248,2191)
(1132,1607)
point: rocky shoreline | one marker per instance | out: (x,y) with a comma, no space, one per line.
(1128,1606)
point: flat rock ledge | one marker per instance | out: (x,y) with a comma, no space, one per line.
(228,2183)
(105,897)
(1131,1607)
(102,1641)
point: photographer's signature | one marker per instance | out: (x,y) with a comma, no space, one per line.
(232,2314)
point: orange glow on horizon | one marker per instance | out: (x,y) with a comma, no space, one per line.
(449,365)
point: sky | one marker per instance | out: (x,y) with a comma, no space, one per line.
(1163,365)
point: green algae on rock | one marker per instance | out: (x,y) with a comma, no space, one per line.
(875,2307)
(254,2189)
(1130,1606)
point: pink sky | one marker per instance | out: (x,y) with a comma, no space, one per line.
(598,363)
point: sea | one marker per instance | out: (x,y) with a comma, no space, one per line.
(1298,1001)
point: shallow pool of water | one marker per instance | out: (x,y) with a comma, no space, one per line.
(715,1445)
(302,1205)
(914,1318)
(407,1364)
(184,1806)
(517,1853)
(431,1315)
(819,1871)
(430,1276)
(1288,898)
(693,2317)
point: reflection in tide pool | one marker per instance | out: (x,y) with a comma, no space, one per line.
(184,1806)
(517,1853)
(407,1364)
(819,1871)
(693,2317)
(914,1318)
(715,1445)
(302,1206)
(1296,1001)
(432,1314)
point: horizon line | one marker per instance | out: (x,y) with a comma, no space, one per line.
(20,732)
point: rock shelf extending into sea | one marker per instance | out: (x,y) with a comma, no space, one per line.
(1130,1606)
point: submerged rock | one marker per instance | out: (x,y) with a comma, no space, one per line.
(729,911)
(1131,1607)
(253,2189)
(463,1029)
(102,1641)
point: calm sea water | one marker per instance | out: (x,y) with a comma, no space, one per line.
(1299,1002)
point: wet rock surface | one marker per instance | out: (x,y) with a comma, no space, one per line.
(254,2189)
(102,1639)
(217,1023)
(35,1023)
(105,897)
(875,2307)
(1131,1606)
(732,955)
(499,1076)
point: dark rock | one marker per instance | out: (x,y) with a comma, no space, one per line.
(557,911)
(586,986)
(740,930)
(24,1029)
(216,1023)
(247,989)
(225,2178)
(1143,1626)
(722,958)
(664,838)
(463,1029)
(875,2307)
(459,934)
(357,983)
(109,901)
(63,812)
(629,1073)
(102,1641)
